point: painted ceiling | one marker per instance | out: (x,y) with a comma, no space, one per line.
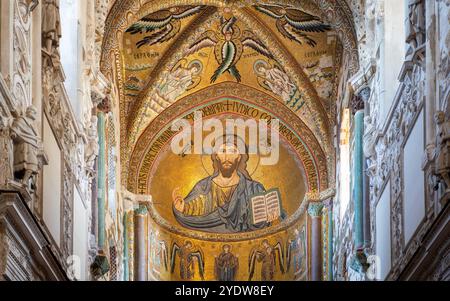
(293,53)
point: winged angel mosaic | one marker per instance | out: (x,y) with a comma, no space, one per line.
(228,45)
(269,256)
(191,259)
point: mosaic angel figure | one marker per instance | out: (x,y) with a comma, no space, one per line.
(181,78)
(274,79)
(267,255)
(190,257)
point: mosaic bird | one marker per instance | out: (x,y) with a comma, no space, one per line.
(163,24)
(293,23)
(228,47)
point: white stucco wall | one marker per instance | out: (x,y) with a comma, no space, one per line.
(52,184)
(394,52)
(69,48)
(80,233)
(383,233)
(414,180)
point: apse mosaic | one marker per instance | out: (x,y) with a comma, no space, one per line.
(198,191)
(203,224)
(224,215)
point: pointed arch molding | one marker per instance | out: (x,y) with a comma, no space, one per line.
(307,147)
(124,13)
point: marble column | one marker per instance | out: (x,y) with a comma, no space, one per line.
(358,165)
(101,178)
(126,274)
(358,178)
(130,240)
(140,243)
(315,212)
(328,204)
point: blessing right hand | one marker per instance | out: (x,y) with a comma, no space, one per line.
(178,201)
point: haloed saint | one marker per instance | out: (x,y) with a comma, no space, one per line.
(221,203)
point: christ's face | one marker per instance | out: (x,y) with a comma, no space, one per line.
(261,70)
(228,157)
(194,70)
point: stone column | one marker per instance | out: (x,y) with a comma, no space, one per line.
(328,204)
(358,165)
(101,178)
(430,82)
(130,244)
(140,243)
(126,274)
(315,212)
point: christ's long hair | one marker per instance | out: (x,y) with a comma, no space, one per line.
(242,164)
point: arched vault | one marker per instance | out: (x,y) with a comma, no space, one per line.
(309,47)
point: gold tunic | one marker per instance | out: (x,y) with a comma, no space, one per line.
(205,204)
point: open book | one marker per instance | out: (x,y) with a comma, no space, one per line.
(266,206)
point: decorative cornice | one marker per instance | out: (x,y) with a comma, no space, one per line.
(15,214)
(364,77)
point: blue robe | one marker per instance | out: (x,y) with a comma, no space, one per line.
(233,217)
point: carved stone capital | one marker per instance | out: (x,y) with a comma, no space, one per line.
(96,98)
(142,210)
(101,101)
(315,209)
(359,100)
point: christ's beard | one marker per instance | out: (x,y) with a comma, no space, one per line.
(227,170)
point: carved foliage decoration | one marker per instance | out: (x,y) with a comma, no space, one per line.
(387,162)
(21,81)
(60,117)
